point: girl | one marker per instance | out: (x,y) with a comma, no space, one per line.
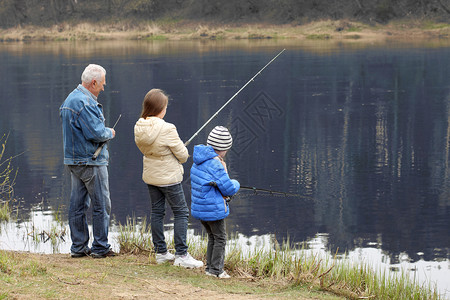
(211,186)
(164,153)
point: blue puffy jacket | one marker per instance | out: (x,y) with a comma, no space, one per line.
(207,202)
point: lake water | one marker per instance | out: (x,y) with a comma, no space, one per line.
(361,133)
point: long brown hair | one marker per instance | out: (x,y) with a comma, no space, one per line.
(154,103)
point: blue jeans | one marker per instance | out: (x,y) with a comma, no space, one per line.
(217,240)
(174,195)
(89,184)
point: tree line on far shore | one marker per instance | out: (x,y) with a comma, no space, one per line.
(50,12)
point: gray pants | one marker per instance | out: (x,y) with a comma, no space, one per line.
(217,239)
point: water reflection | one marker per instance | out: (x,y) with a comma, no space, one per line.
(41,233)
(362,131)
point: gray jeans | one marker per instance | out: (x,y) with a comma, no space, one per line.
(217,239)
(174,196)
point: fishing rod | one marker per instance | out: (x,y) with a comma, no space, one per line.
(231,99)
(99,149)
(256,190)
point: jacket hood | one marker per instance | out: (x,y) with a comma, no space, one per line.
(203,153)
(147,130)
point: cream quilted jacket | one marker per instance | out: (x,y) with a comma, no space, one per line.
(163,150)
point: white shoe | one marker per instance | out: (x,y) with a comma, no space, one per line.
(162,258)
(187,261)
(210,274)
(224,275)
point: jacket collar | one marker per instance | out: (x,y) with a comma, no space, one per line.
(86,91)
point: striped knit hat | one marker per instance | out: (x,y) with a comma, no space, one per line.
(220,139)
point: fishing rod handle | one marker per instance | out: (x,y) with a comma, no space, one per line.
(99,149)
(97,152)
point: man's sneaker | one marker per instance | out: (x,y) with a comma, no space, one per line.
(209,274)
(162,258)
(224,275)
(110,253)
(85,252)
(187,261)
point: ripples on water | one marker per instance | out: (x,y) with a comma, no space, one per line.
(363,133)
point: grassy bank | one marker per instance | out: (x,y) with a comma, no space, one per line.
(292,268)
(173,29)
(35,276)
(269,271)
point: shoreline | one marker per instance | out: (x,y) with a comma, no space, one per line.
(342,31)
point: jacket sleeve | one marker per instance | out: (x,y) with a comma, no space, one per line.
(91,122)
(176,145)
(227,186)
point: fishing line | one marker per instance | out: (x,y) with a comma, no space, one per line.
(259,191)
(231,99)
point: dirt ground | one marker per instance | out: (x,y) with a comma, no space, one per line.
(58,276)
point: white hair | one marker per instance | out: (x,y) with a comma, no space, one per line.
(92,72)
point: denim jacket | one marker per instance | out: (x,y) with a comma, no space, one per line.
(83,126)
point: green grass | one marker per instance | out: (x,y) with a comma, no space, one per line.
(294,266)
(9,264)
(278,271)
(354,29)
(155,38)
(432,25)
(135,238)
(7,180)
(5,211)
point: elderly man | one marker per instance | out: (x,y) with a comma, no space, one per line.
(83,126)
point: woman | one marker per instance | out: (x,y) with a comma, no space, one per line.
(164,153)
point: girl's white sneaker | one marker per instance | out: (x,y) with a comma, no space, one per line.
(187,261)
(162,258)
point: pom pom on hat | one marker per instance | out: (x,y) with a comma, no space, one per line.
(220,139)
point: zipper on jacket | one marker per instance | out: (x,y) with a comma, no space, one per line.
(225,203)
